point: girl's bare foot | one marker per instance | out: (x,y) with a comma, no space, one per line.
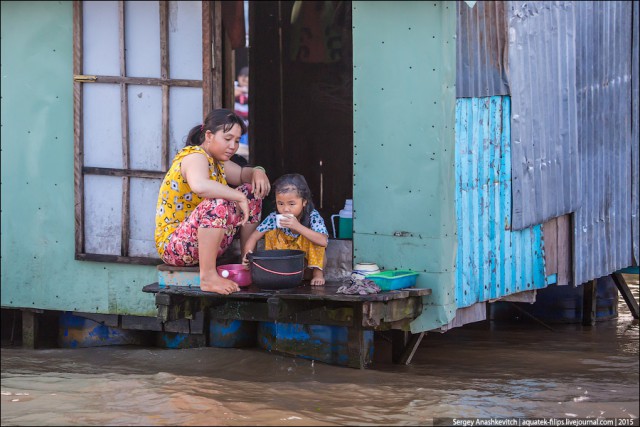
(318,277)
(217,284)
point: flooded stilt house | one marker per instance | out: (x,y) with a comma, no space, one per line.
(492,147)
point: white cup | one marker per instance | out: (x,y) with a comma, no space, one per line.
(279,218)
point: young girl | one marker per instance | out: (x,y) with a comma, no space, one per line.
(198,214)
(301,228)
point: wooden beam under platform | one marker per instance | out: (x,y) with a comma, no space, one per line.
(628,297)
(306,305)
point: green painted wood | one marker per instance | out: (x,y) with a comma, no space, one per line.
(404,61)
(38,265)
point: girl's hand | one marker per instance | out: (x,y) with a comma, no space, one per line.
(291,222)
(245,260)
(244,207)
(260,183)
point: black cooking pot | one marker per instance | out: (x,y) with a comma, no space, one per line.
(277,268)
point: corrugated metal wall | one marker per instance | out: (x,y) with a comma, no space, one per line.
(481,48)
(492,261)
(602,223)
(570,79)
(544,131)
(635,135)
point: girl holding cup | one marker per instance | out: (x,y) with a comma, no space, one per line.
(295,225)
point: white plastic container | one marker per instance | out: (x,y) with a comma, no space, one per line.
(363,269)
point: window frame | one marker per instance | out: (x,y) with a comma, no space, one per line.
(212,52)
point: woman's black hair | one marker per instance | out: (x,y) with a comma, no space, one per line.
(220,118)
(296,183)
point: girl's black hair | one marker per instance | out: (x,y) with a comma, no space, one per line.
(296,183)
(220,118)
(244,72)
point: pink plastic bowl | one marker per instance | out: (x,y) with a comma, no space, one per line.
(237,272)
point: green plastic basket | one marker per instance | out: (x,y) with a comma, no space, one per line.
(390,280)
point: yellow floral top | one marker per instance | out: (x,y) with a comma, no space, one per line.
(175,198)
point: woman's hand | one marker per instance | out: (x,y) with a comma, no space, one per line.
(260,183)
(243,204)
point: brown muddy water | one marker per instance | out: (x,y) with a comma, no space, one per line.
(486,369)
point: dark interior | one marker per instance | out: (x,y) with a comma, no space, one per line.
(300,79)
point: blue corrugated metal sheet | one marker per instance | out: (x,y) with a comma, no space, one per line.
(481,47)
(602,224)
(492,261)
(542,78)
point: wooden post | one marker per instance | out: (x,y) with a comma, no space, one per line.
(410,348)
(399,341)
(29,328)
(628,297)
(589,302)
(356,344)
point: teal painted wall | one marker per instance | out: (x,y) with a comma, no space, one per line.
(404,57)
(38,265)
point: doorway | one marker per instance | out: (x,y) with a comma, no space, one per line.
(301,106)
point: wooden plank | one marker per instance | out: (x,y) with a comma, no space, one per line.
(164,152)
(29,328)
(564,253)
(180,326)
(117,258)
(78,150)
(417,292)
(176,302)
(228,78)
(375,313)
(626,293)
(411,347)
(172,268)
(216,82)
(550,238)
(358,357)
(164,73)
(124,128)
(241,310)
(303,292)
(308,313)
(184,308)
(144,81)
(136,173)
(164,39)
(111,320)
(197,324)
(141,323)
(207,51)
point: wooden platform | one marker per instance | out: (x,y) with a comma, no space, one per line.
(305,304)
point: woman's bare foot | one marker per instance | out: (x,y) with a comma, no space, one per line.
(318,277)
(217,284)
